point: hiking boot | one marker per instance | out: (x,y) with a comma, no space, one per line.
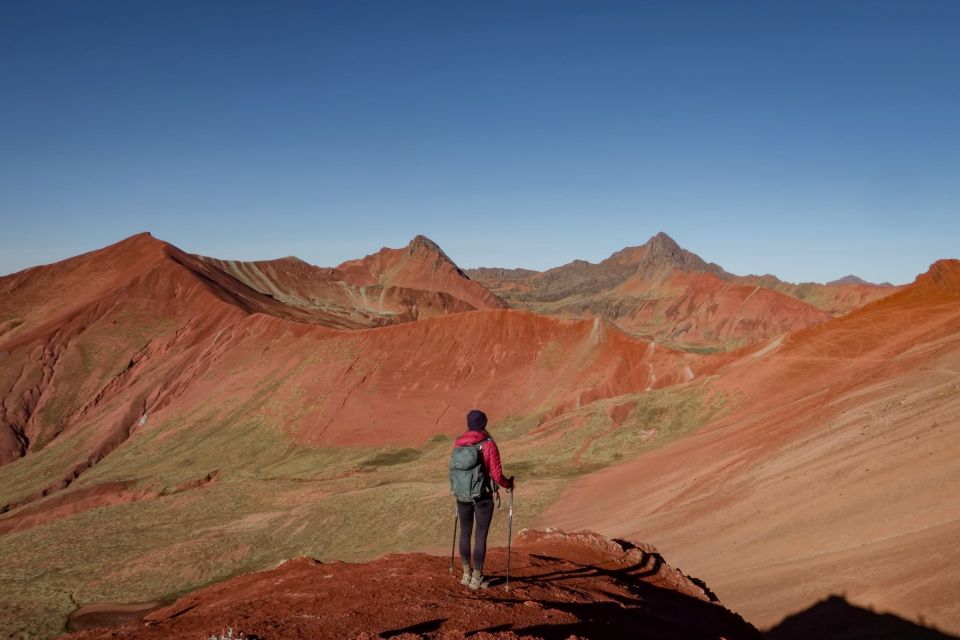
(467,572)
(477,581)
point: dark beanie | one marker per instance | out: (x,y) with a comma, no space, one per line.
(476,420)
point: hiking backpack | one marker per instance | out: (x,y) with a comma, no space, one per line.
(468,480)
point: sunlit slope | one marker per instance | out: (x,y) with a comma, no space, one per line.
(660,291)
(421,265)
(230,440)
(389,287)
(79,331)
(836,472)
(392,386)
(836,298)
(75,335)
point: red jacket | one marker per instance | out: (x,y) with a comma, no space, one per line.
(491,455)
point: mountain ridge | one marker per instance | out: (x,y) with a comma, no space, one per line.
(148,389)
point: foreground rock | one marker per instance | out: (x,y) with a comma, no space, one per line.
(562,585)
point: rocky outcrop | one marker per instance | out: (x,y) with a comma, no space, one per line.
(578,585)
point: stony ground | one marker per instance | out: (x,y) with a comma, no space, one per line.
(562,586)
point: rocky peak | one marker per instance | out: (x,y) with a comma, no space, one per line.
(662,244)
(848,279)
(423,242)
(662,250)
(856,280)
(943,275)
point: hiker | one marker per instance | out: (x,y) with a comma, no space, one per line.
(472,479)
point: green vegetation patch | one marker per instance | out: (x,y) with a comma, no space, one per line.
(588,439)
(390,458)
(274,498)
(29,475)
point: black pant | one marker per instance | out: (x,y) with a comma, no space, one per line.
(483,508)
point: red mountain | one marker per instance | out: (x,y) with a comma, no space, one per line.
(659,291)
(171,421)
(71,332)
(828,476)
(420,265)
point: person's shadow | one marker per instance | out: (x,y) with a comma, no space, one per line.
(837,619)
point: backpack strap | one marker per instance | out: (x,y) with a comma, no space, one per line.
(491,483)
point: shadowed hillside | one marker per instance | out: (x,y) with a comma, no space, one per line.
(837,619)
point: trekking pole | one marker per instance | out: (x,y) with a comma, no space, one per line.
(509,538)
(453,545)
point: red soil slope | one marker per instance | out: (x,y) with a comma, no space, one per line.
(702,309)
(81,327)
(836,473)
(354,388)
(658,291)
(327,292)
(69,329)
(177,334)
(562,586)
(836,298)
(420,265)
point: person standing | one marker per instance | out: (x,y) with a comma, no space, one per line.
(474,468)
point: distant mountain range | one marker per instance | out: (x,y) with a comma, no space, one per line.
(852,279)
(661,291)
(169,421)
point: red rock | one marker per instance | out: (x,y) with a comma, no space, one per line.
(561,585)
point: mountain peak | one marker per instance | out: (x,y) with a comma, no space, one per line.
(662,250)
(423,242)
(142,239)
(852,279)
(662,240)
(847,279)
(421,265)
(943,276)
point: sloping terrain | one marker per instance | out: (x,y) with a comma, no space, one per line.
(72,332)
(178,427)
(582,278)
(389,287)
(562,586)
(170,421)
(852,279)
(421,265)
(662,292)
(836,298)
(699,310)
(834,474)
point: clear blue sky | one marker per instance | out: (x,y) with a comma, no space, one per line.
(806,139)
